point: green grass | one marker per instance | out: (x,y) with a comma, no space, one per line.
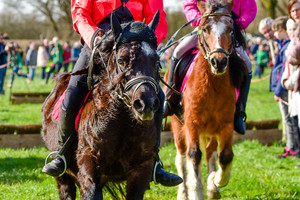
(256,174)
(25,113)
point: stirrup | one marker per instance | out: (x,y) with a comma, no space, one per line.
(154,170)
(56,153)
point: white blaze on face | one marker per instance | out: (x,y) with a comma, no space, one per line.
(147,49)
(218,29)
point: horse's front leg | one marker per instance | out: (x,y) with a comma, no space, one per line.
(213,192)
(87,176)
(225,156)
(193,160)
(66,187)
(138,180)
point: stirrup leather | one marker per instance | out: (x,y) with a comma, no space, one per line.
(154,170)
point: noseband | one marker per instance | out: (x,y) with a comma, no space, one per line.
(205,46)
(121,89)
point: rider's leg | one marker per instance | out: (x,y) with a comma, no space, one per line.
(159,174)
(75,94)
(240,112)
(185,45)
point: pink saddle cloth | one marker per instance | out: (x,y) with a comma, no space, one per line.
(56,110)
(188,74)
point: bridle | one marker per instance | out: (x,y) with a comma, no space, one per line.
(121,89)
(205,46)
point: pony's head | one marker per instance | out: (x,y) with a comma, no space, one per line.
(133,65)
(216,33)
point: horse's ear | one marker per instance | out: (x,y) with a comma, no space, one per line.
(153,24)
(230,5)
(115,26)
(201,6)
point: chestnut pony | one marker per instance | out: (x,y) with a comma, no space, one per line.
(209,105)
(114,146)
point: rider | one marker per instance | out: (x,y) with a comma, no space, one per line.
(88,16)
(244,12)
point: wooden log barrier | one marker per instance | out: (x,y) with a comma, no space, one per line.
(23,97)
(29,136)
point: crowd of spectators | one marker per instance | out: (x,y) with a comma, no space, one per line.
(49,55)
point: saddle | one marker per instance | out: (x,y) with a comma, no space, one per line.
(56,110)
(182,73)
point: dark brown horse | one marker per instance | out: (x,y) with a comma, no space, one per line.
(209,105)
(117,132)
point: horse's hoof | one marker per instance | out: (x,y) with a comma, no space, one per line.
(213,194)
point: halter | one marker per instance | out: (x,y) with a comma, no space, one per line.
(204,45)
(121,89)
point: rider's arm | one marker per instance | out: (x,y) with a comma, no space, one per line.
(150,8)
(191,11)
(246,12)
(81,11)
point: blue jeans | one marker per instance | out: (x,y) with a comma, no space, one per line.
(31,73)
(15,72)
(2,76)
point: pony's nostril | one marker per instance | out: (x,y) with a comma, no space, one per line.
(138,105)
(224,61)
(214,62)
(156,104)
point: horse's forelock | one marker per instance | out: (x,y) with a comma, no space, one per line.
(213,6)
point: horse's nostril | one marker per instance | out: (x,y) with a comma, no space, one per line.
(224,61)
(156,104)
(138,105)
(214,62)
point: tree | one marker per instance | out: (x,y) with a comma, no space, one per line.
(56,12)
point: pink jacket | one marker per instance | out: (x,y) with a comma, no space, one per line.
(244,9)
(87,14)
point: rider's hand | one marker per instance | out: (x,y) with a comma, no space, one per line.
(276,98)
(98,37)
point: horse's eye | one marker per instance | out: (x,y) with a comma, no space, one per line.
(121,62)
(204,29)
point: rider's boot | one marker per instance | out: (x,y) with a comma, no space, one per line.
(240,111)
(171,98)
(159,174)
(66,133)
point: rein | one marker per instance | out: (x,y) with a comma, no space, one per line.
(205,46)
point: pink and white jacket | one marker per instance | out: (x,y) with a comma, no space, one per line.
(245,10)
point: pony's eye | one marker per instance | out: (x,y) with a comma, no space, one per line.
(204,29)
(121,62)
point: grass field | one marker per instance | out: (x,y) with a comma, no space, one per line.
(257,173)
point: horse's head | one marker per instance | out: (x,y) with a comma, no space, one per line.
(134,66)
(216,33)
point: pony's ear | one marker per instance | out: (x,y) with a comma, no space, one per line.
(115,26)
(230,5)
(201,6)
(153,24)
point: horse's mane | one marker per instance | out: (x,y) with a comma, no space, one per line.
(237,70)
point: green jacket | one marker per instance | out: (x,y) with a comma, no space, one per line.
(262,57)
(15,60)
(57,54)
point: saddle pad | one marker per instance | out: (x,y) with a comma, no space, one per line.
(56,110)
(188,74)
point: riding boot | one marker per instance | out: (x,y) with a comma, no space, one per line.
(172,99)
(240,111)
(159,174)
(66,133)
